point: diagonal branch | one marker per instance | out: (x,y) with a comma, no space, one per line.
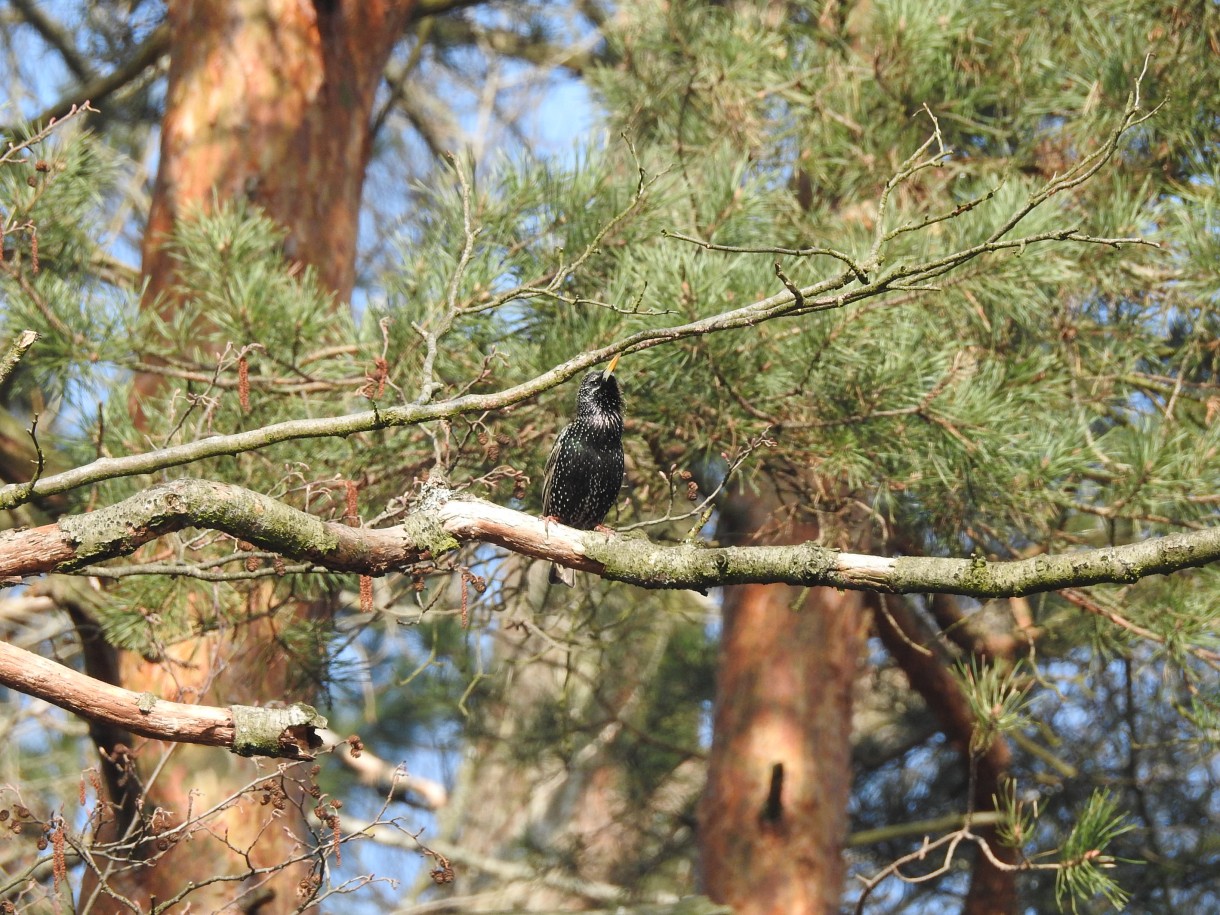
(828,294)
(54,34)
(853,284)
(250,731)
(154,47)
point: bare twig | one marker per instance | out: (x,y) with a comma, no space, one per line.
(772,249)
(798,299)
(950,843)
(703,511)
(13,150)
(1087,166)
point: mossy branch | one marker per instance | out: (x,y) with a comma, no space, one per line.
(442,523)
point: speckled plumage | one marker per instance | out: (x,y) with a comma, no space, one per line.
(585,469)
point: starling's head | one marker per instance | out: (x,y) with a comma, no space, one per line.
(599,394)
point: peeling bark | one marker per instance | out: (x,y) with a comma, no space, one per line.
(246,730)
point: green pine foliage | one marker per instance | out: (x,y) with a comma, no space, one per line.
(1084,857)
(1037,399)
(53,216)
(1041,398)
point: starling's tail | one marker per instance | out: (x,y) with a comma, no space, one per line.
(562,575)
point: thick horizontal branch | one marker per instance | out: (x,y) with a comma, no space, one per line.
(440,523)
(250,731)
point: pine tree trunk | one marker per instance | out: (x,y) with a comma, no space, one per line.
(270,101)
(774,813)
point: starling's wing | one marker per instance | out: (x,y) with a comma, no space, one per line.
(548,475)
(559,574)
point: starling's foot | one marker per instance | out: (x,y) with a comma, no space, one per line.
(602,529)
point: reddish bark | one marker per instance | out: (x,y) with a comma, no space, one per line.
(774,814)
(94,699)
(268,101)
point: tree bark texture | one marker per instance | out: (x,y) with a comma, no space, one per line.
(268,101)
(773,817)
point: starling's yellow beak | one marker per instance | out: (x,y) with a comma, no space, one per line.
(610,368)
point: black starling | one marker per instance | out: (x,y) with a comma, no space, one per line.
(585,469)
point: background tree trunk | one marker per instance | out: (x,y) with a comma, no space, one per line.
(773,817)
(552,778)
(268,101)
